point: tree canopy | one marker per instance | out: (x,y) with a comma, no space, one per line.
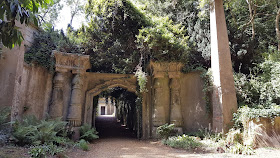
(23,11)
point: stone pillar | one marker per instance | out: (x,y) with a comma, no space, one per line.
(224,96)
(56,107)
(161,96)
(161,101)
(75,108)
(175,104)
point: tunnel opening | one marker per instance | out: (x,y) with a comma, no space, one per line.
(117,113)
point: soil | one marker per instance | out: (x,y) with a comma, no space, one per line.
(118,142)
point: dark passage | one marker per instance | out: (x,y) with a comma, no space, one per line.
(109,127)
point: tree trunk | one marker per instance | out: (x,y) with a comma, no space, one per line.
(252,11)
(277,28)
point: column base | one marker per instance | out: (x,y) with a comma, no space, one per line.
(154,132)
(76,135)
(179,130)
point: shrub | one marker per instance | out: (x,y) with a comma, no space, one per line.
(244,114)
(241,149)
(261,87)
(88,133)
(184,141)
(82,144)
(33,131)
(4,115)
(42,151)
(166,131)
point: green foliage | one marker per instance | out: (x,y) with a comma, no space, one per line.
(184,141)
(261,87)
(207,78)
(245,114)
(36,132)
(4,115)
(88,133)
(82,144)
(142,79)
(166,131)
(45,150)
(17,10)
(110,35)
(49,14)
(185,13)
(41,51)
(44,43)
(164,41)
(241,149)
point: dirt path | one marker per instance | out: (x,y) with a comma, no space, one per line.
(117,142)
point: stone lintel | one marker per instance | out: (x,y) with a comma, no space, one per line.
(65,62)
(170,69)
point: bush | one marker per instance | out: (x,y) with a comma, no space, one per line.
(241,149)
(261,87)
(184,141)
(88,133)
(42,151)
(4,115)
(244,114)
(166,131)
(32,131)
(82,144)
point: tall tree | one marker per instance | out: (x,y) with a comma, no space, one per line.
(49,14)
(77,7)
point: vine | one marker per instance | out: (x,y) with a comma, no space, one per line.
(206,76)
(142,79)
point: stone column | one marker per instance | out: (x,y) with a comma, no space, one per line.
(75,108)
(159,116)
(56,107)
(176,112)
(161,109)
(224,96)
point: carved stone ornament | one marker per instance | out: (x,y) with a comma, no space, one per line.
(67,61)
(172,69)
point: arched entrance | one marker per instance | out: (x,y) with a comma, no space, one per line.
(99,82)
(125,121)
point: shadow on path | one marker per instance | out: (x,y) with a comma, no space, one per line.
(108,127)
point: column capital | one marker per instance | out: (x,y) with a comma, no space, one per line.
(163,69)
(65,62)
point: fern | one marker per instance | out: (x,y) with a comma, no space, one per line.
(4,115)
(88,133)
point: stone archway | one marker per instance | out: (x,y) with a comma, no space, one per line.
(102,82)
(74,89)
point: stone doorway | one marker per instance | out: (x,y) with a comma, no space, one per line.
(77,107)
(171,96)
(125,122)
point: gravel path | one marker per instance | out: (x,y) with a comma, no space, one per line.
(117,142)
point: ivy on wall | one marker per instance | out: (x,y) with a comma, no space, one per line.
(40,53)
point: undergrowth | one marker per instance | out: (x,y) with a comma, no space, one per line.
(183,141)
(49,137)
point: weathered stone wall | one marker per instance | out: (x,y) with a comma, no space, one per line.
(194,113)
(11,68)
(36,91)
